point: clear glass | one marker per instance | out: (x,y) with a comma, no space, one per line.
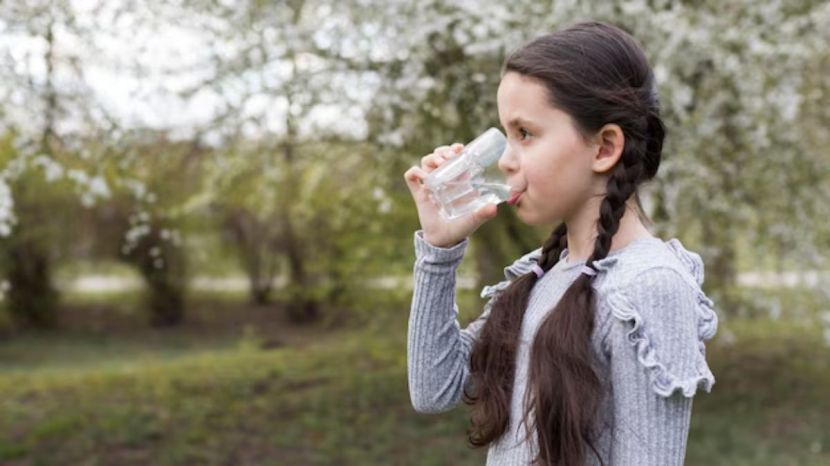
(471,179)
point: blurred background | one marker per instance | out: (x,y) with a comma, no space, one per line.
(206,240)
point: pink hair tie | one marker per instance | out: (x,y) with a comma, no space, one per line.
(538,271)
(588,270)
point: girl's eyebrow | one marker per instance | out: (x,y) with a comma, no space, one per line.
(519,121)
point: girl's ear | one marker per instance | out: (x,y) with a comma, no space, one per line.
(609,142)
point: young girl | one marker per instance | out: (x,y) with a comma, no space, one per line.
(592,348)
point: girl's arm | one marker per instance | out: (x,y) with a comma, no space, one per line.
(657,362)
(438,350)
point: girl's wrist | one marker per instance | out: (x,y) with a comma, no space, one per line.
(442,245)
(437,244)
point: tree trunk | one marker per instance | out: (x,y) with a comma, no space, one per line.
(164,275)
(301,307)
(32,301)
(253,242)
(721,274)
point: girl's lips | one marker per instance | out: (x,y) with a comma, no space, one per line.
(514,198)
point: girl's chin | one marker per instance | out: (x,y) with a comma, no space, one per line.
(525,214)
(531,218)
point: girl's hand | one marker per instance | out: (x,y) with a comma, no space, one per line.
(437,230)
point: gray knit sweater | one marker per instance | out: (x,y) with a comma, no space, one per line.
(651,322)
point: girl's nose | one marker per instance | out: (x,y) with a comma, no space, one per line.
(508,163)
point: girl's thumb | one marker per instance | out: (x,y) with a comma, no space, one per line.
(486,213)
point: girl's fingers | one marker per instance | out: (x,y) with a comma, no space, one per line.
(434,160)
(450,152)
(414,178)
(440,155)
(429,162)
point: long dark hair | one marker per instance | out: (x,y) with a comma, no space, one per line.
(598,74)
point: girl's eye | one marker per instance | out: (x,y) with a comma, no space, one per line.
(524,133)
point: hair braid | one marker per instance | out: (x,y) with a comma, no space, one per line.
(621,185)
(498,343)
(553,247)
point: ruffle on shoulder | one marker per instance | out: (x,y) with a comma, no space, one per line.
(690,260)
(491,291)
(708,322)
(518,268)
(665,382)
(525,264)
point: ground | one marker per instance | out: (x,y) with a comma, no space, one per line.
(239,385)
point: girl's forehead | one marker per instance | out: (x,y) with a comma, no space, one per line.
(522,98)
(515,86)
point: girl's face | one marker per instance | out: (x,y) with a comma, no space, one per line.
(546,159)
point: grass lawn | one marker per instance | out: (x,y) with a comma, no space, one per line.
(252,390)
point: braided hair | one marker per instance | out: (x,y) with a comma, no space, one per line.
(598,74)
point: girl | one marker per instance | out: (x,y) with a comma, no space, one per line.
(592,348)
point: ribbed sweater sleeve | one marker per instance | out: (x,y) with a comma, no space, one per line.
(438,349)
(655,368)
